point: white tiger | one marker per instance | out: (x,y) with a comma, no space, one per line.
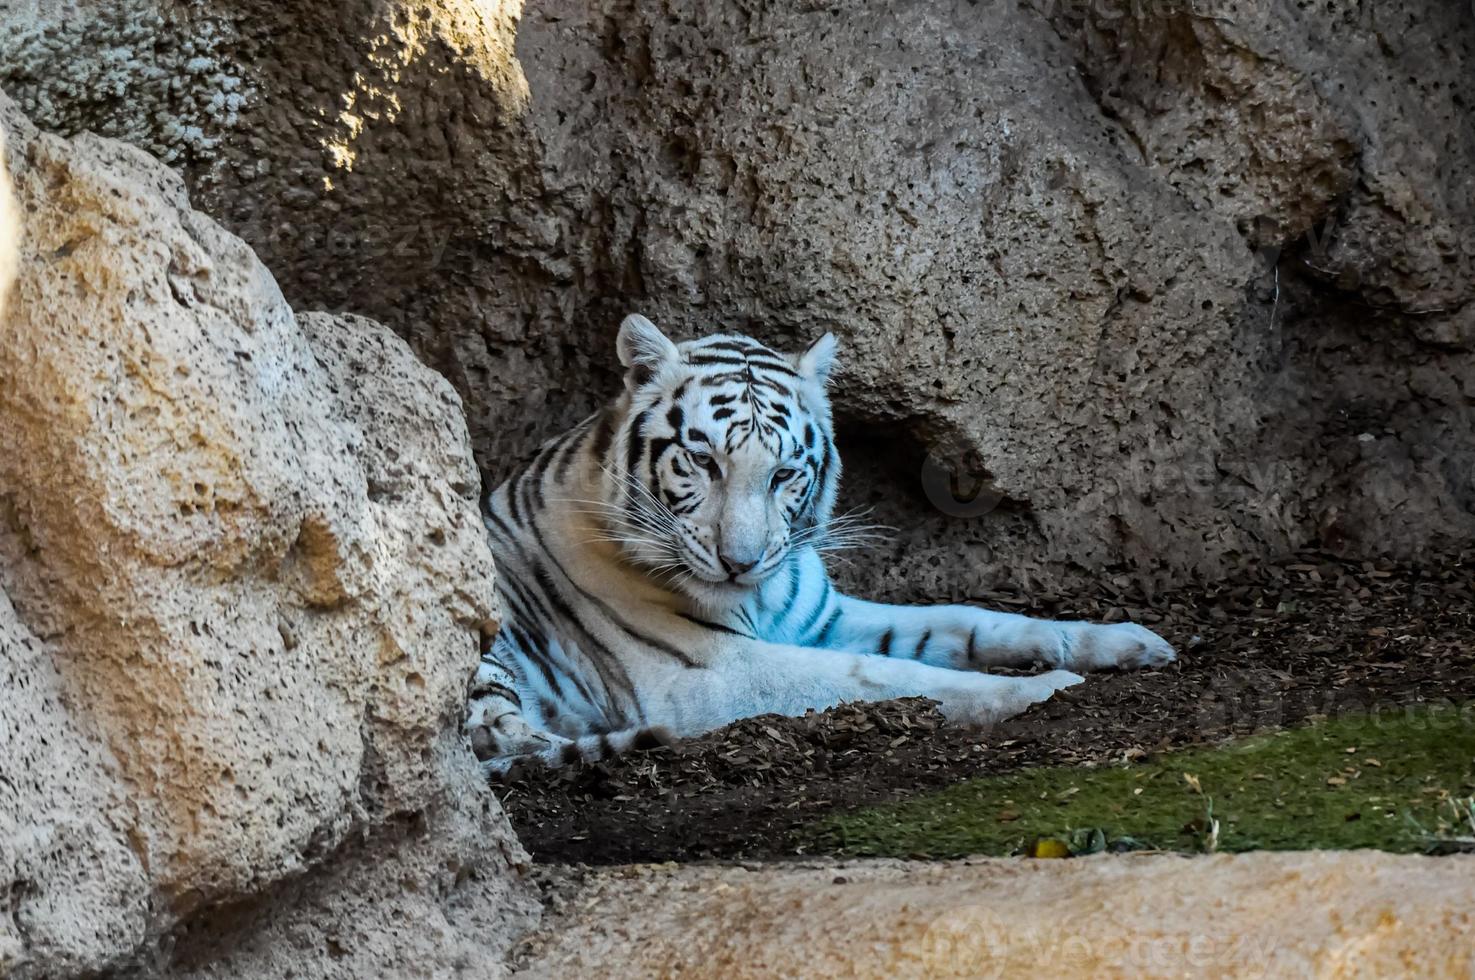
(660,571)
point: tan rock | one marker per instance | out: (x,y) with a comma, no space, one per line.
(1319,914)
(10,221)
(242,581)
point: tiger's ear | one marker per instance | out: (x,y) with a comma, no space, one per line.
(643,350)
(818,360)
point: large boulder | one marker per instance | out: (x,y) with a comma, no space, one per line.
(242,584)
(1123,289)
(1359,914)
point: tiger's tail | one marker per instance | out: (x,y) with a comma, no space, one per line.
(585,748)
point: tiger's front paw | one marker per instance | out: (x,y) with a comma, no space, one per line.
(1121,646)
(987,699)
(500,734)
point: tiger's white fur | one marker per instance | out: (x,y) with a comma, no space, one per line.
(660,570)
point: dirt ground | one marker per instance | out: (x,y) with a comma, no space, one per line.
(1272,647)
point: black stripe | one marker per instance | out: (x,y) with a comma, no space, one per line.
(922,645)
(613,679)
(972,644)
(737,434)
(743,345)
(722,380)
(579,684)
(532,491)
(532,478)
(571,448)
(510,492)
(515,592)
(782,390)
(719,627)
(517,613)
(516,553)
(539,640)
(824,632)
(646,739)
(658,449)
(493,688)
(604,662)
(794,571)
(751,360)
(502,526)
(546,622)
(607,611)
(530,642)
(604,434)
(651,641)
(884,649)
(634,443)
(824,600)
(824,468)
(525,645)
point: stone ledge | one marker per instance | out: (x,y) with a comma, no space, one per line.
(1321,914)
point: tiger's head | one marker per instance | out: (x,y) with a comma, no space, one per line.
(726,460)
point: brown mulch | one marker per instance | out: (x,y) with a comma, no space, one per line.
(1278,643)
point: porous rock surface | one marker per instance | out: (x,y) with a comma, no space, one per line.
(242,580)
(1333,916)
(1173,284)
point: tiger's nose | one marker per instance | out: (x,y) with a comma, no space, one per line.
(734,567)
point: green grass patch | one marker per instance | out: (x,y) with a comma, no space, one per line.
(1398,781)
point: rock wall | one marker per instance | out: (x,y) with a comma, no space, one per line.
(1171,286)
(242,582)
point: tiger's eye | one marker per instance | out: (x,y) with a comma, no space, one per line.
(784,476)
(706,462)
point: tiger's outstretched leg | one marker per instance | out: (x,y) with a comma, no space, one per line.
(970,638)
(799,605)
(751,677)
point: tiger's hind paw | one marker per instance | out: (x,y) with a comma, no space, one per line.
(1120,646)
(509,734)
